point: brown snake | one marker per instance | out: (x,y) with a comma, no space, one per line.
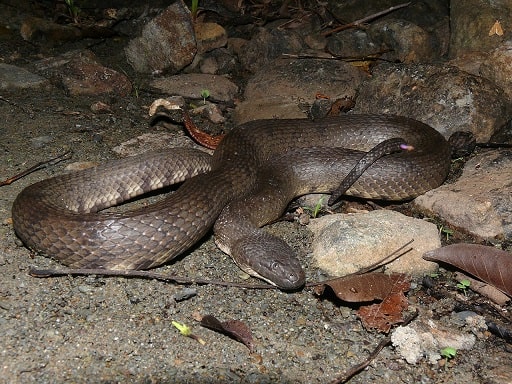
(254,173)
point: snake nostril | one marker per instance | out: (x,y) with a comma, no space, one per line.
(293,277)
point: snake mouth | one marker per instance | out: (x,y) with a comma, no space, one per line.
(269,258)
(282,278)
(286,275)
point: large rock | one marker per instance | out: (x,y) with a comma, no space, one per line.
(497,67)
(345,243)
(167,42)
(480,202)
(288,87)
(471,22)
(444,97)
(191,85)
(80,73)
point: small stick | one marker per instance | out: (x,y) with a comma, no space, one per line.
(142,274)
(181,280)
(15,105)
(365,19)
(36,167)
(348,374)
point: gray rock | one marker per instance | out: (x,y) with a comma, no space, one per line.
(444,97)
(345,243)
(431,16)
(427,338)
(407,42)
(287,87)
(13,77)
(470,24)
(501,58)
(190,86)
(167,42)
(266,46)
(480,202)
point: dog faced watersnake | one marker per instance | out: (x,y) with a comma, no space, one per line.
(254,173)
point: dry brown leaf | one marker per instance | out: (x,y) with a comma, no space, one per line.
(370,287)
(489,264)
(367,287)
(232,328)
(384,315)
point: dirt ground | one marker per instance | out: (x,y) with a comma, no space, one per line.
(109,330)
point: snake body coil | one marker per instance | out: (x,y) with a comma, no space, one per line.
(253,174)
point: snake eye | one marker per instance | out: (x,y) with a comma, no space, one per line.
(275,266)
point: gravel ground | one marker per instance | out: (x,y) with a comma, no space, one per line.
(108,330)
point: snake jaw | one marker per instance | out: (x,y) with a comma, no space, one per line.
(269,258)
(294,280)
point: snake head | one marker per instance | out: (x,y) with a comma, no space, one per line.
(269,258)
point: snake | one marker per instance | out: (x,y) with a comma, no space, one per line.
(248,182)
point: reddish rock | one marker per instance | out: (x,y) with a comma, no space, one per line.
(167,42)
(79,73)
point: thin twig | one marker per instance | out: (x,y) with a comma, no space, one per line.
(348,374)
(365,19)
(145,275)
(388,259)
(16,105)
(36,167)
(183,280)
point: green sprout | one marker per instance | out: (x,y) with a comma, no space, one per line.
(205,94)
(463,285)
(317,208)
(186,331)
(446,231)
(448,353)
(193,9)
(73,10)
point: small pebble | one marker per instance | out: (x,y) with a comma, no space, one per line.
(185,294)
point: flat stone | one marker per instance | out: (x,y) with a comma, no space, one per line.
(288,87)
(480,201)
(42,31)
(426,338)
(190,86)
(167,42)
(35,29)
(13,77)
(79,73)
(345,243)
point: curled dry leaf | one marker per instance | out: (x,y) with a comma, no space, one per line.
(374,286)
(489,264)
(384,315)
(232,328)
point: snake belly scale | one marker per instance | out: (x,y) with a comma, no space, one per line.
(253,174)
